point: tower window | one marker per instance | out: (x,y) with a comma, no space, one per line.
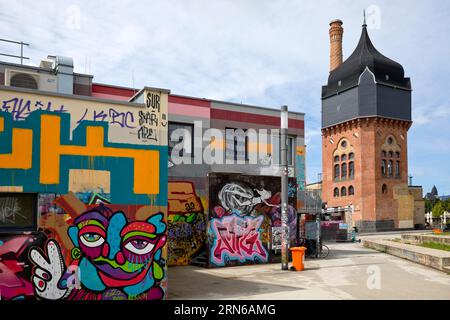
(344,157)
(397,154)
(336,171)
(351,191)
(351,156)
(383,167)
(383,154)
(344,171)
(336,192)
(344,144)
(397,169)
(391,154)
(390,168)
(390,140)
(351,169)
(384,189)
(343,192)
(336,159)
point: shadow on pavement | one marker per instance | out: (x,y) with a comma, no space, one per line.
(193,283)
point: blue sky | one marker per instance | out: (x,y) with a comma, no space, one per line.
(260,52)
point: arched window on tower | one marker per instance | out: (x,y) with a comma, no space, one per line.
(397,169)
(351,156)
(343,192)
(344,157)
(391,154)
(336,192)
(384,189)
(397,155)
(351,169)
(337,171)
(383,154)
(390,168)
(383,167)
(344,171)
(336,159)
(351,191)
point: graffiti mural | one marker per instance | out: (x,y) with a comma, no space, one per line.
(113,257)
(237,239)
(40,156)
(101,230)
(186,223)
(246,212)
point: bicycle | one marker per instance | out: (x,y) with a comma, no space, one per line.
(311,249)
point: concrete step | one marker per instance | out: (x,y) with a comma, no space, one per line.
(437,259)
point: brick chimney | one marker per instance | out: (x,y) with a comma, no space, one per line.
(336,32)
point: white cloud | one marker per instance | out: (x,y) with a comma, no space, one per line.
(259,52)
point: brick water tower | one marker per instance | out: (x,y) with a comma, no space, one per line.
(366,114)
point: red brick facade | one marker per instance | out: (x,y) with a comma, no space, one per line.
(366,138)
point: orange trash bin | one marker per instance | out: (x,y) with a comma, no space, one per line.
(298,256)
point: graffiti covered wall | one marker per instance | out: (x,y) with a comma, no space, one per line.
(102,197)
(245,218)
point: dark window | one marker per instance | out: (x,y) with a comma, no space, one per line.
(351,156)
(397,169)
(384,189)
(343,192)
(336,192)
(23,80)
(344,157)
(18,212)
(383,154)
(397,154)
(344,171)
(344,144)
(391,154)
(390,140)
(351,191)
(291,147)
(187,133)
(351,169)
(390,168)
(336,159)
(383,167)
(336,171)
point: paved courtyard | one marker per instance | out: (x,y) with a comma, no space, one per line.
(349,272)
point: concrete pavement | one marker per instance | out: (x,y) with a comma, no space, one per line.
(349,272)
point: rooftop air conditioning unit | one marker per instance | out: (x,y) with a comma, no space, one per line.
(22,79)
(47,64)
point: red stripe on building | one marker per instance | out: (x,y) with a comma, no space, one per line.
(190,101)
(254,118)
(114,91)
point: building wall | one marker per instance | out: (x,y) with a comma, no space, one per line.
(190,232)
(374,210)
(102,197)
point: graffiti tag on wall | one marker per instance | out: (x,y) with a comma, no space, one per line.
(237,239)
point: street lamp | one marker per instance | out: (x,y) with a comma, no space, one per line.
(284,190)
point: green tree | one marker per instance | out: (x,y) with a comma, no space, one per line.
(438,209)
(428,205)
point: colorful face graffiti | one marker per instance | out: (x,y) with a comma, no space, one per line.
(114,258)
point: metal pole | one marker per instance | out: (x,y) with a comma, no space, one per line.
(21,52)
(284,190)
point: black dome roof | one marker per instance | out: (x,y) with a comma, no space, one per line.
(386,71)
